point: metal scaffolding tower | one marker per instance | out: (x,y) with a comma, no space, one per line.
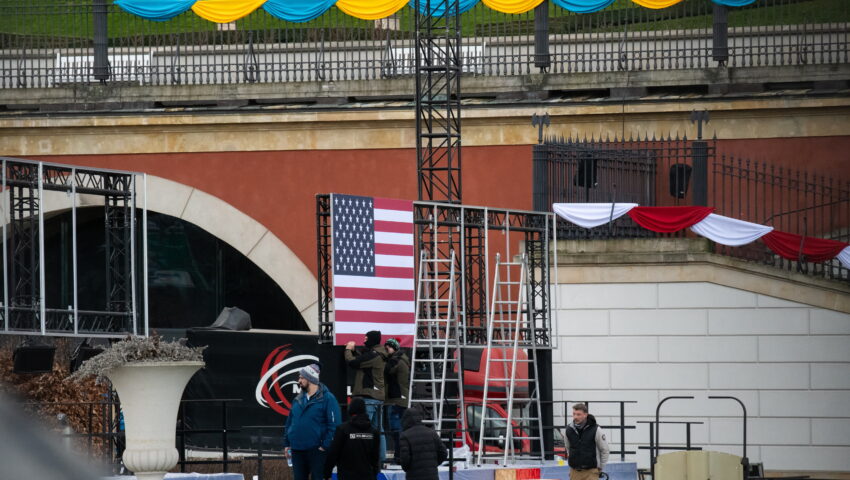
(438,67)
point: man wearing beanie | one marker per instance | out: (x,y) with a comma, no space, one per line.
(355,447)
(310,426)
(369,378)
(397,378)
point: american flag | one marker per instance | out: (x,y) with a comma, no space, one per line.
(373,268)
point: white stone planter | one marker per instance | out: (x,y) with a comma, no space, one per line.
(150,397)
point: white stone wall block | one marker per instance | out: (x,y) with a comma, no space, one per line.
(708,349)
(703,295)
(829,322)
(750,376)
(762,321)
(659,375)
(609,349)
(804,457)
(580,376)
(761,431)
(831,431)
(835,348)
(582,322)
(659,322)
(610,295)
(811,403)
(831,376)
(764,301)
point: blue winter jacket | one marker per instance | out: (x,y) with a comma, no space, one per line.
(312,423)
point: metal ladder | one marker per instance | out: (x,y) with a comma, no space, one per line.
(509,330)
(436,385)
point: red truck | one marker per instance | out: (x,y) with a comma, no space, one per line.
(475,362)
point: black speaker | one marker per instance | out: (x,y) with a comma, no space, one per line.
(586,176)
(33,358)
(680,177)
(233,318)
(83,353)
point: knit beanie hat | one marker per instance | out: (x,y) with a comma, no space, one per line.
(392,343)
(373,338)
(356,407)
(311,373)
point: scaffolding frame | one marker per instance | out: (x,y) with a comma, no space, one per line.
(24,309)
(442,228)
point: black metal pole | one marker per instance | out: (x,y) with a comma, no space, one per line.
(700,172)
(622,431)
(540,178)
(744,461)
(101,56)
(653,456)
(544,383)
(542,59)
(720,34)
(224,434)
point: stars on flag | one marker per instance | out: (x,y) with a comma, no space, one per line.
(354,235)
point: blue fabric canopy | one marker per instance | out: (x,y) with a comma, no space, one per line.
(734,3)
(297,10)
(583,6)
(438,8)
(156,10)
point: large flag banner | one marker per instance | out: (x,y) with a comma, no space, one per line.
(373,266)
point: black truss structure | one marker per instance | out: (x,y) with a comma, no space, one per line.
(24,311)
(438,69)
(442,228)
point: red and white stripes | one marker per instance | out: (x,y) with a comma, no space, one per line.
(717,228)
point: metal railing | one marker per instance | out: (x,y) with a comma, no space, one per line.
(51,43)
(667,172)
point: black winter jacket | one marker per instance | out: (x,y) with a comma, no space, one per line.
(369,378)
(354,450)
(397,379)
(421,448)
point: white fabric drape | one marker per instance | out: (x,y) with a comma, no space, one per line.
(844,257)
(589,215)
(729,231)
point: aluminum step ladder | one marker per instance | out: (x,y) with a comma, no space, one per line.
(436,381)
(509,331)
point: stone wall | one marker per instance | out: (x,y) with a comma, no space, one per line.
(681,330)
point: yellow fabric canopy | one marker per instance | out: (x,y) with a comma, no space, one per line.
(225,11)
(512,6)
(656,4)
(370,9)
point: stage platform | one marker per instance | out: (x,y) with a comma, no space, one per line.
(616,471)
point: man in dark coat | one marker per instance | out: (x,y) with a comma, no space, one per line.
(421,448)
(397,380)
(369,378)
(355,447)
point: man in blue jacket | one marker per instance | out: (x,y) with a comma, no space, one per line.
(310,425)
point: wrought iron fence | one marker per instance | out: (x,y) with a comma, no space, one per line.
(678,171)
(51,43)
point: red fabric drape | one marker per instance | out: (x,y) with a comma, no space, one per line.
(787,245)
(668,219)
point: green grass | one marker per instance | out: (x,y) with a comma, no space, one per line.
(44,23)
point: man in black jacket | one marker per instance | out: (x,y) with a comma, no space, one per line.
(355,447)
(587,449)
(397,380)
(421,448)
